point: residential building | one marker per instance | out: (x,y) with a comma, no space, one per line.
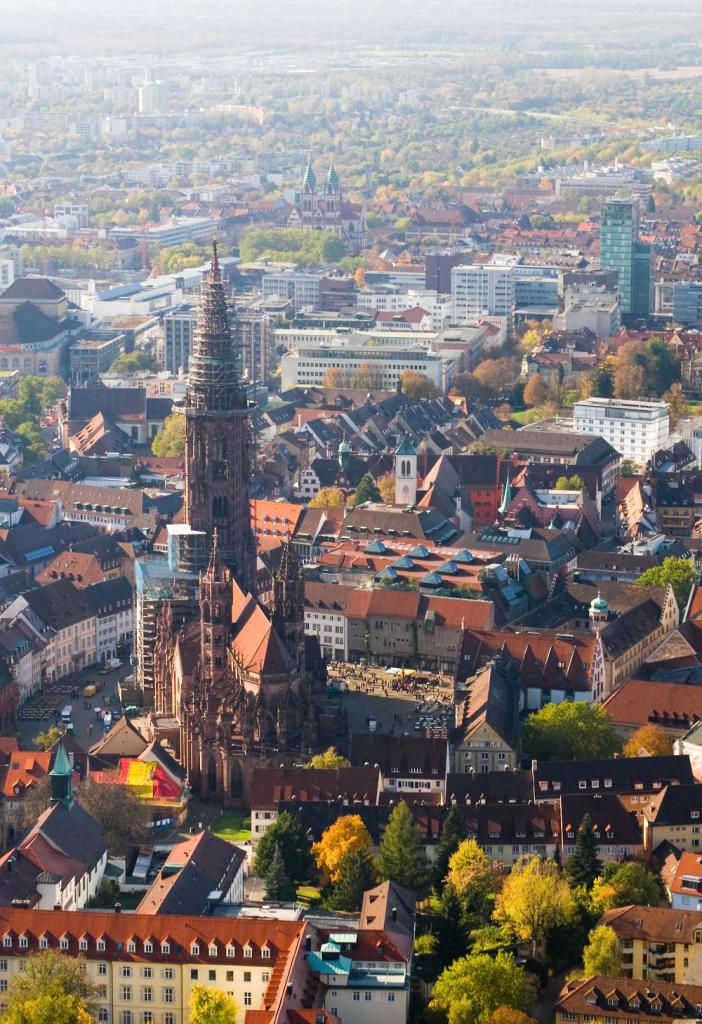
(592,309)
(617,832)
(408,764)
(636,429)
(177,327)
(154,960)
(93,354)
(624,1000)
(487,709)
(480,290)
(656,943)
(676,708)
(300,287)
(325,617)
(682,876)
(674,817)
(687,303)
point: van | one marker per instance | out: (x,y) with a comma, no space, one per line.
(66,714)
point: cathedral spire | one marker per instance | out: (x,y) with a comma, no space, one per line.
(332,178)
(309,181)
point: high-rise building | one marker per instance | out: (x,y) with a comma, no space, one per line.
(217,444)
(621,250)
(484,289)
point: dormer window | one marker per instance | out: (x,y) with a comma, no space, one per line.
(63,942)
(608,783)
(83,945)
(582,784)
(694,814)
(131,946)
(7,941)
(231,951)
(195,949)
(248,952)
(100,945)
(165,947)
(213,950)
(23,942)
(43,942)
(594,783)
(148,947)
(266,953)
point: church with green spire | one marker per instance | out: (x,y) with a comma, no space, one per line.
(320,206)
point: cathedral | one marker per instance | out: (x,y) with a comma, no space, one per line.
(322,207)
(243,681)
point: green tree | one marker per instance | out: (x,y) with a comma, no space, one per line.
(472,874)
(130,363)
(402,857)
(367,490)
(449,927)
(602,385)
(291,245)
(286,833)
(278,885)
(473,987)
(170,440)
(211,1006)
(51,988)
(663,364)
(453,833)
(34,444)
(679,572)
(584,865)
(571,731)
(535,898)
(625,883)
(45,740)
(355,876)
(570,483)
(328,759)
(601,955)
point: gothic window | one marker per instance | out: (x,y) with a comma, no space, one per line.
(220,460)
(206,612)
(211,774)
(217,613)
(220,506)
(237,780)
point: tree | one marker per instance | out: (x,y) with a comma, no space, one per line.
(473,987)
(365,378)
(401,852)
(288,834)
(625,883)
(602,382)
(328,759)
(630,381)
(211,1006)
(417,385)
(328,497)
(120,813)
(386,486)
(35,800)
(679,572)
(367,490)
(452,834)
(663,363)
(677,403)
(531,339)
(472,874)
(570,483)
(535,391)
(449,927)
(51,988)
(34,444)
(535,897)
(334,377)
(291,245)
(571,731)
(601,955)
(584,865)
(278,886)
(46,740)
(356,874)
(496,376)
(345,836)
(650,740)
(130,363)
(170,440)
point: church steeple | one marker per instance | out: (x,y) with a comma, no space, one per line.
(309,180)
(332,178)
(61,778)
(215,615)
(217,445)
(289,604)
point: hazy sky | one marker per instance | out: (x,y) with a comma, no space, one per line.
(148,25)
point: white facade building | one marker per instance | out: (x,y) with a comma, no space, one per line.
(480,290)
(439,307)
(300,288)
(636,429)
(330,629)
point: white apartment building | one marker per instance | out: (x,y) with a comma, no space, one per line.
(635,428)
(480,290)
(594,309)
(330,629)
(300,288)
(439,307)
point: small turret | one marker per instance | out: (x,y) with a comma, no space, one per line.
(406,473)
(599,611)
(61,778)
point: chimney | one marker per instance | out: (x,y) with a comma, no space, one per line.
(393,913)
(118,908)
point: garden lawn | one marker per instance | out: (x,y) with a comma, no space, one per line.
(234,826)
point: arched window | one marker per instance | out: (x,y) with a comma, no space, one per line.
(237,780)
(220,460)
(205,611)
(211,774)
